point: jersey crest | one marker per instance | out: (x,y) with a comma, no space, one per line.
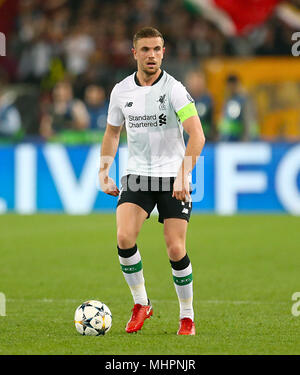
(162,102)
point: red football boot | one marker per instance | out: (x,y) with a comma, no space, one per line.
(139,314)
(187,327)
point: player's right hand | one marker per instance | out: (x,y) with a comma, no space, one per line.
(181,188)
(108,185)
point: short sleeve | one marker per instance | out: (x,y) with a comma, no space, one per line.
(180,97)
(115,115)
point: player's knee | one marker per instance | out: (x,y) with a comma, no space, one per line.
(176,251)
(126,238)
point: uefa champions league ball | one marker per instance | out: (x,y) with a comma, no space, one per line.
(92,318)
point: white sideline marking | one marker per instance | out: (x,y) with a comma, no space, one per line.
(215,302)
(43,300)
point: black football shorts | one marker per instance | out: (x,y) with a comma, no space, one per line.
(147,192)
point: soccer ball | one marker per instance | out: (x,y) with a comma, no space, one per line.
(92,318)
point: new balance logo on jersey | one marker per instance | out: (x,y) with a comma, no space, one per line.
(162,119)
(128,104)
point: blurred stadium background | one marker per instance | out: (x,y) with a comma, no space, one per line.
(62,58)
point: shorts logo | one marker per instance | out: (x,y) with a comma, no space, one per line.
(128,104)
(162,119)
(188,206)
(162,100)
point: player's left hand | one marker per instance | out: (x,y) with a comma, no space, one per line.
(108,185)
(181,189)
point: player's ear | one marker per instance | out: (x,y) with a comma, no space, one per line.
(133,52)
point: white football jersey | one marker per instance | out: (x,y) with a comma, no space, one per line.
(154,131)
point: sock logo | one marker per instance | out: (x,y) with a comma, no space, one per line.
(133,268)
(183,280)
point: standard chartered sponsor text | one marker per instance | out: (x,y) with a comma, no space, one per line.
(142,121)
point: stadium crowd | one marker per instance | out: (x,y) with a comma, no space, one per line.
(63,58)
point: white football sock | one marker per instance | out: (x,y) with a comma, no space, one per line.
(183,282)
(133,273)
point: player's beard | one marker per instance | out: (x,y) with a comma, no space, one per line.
(151,71)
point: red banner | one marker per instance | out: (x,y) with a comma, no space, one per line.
(248,13)
(235,16)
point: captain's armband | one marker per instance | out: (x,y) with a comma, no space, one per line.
(187,111)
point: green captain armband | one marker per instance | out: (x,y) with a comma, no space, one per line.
(187,111)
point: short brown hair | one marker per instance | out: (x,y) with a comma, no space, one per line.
(147,32)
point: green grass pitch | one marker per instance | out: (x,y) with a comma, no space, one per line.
(245,270)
